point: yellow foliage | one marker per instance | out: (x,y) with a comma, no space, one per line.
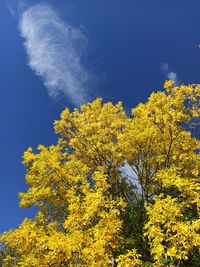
(82,196)
(129,259)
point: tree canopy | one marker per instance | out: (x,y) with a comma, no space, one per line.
(91,210)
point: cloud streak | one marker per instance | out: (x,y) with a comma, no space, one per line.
(170,75)
(55,51)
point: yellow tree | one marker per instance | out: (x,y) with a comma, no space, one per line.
(92,215)
(157,144)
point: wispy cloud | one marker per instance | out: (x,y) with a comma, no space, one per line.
(15,8)
(170,75)
(11,10)
(55,51)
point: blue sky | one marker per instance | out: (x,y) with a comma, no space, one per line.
(119,50)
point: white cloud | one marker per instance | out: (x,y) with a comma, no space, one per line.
(170,75)
(128,172)
(54,51)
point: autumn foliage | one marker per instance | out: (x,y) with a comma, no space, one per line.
(91,212)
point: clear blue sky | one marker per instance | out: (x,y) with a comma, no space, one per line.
(132,47)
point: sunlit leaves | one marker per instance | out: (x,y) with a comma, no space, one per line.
(92,215)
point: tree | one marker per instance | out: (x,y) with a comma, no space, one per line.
(90,214)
